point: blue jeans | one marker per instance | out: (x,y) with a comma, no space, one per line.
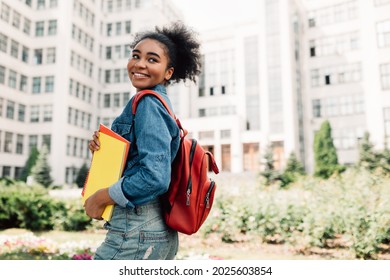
(138,234)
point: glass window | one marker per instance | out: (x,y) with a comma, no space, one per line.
(16,19)
(49,84)
(8,142)
(23,83)
(2,74)
(26,26)
(5,10)
(34,113)
(32,142)
(21,112)
(39,28)
(47,113)
(107,100)
(10,109)
(118,28)
(25,52)
(38,56)
(128,27)
(41,4)
(19,143)
(51,56)
(14,49)
(36,85)
(3,43)
(12,79)
(52,27)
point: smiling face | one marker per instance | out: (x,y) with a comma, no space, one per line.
(148,65)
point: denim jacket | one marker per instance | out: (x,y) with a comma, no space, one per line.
(154,143)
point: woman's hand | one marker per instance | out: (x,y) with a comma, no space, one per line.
(94,144)
(96,203)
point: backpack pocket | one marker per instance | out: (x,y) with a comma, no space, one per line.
(206,201)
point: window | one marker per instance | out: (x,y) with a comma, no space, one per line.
(117,100)
(108,52)
(5,9)
(3,43)
(2,74)
(108,76)
(117,75)
(39,28)
(26,26)
(47,113)
(317,108)
(128,27)
(34,113)
(118,28)
(46,140)
(53,3)
(109,29)
(49,84)
(107,100)
(19,143)
(14,49)
(32,142)
(41,4)
(10,110)
(8,142)
(51,55)
(21,113)
(12,79)
(126,97)
(38,56)
(25,52)
(16,19)
(52,27)
(36,85)
(385,76)
(23,83)
(1,109)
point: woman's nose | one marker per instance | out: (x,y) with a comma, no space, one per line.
(140,63)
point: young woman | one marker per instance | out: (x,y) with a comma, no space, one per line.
(137,229)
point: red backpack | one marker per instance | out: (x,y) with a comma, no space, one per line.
(190,195)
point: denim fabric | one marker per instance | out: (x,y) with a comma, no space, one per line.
(140,234)
(154,143)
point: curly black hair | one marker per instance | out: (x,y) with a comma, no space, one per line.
(182,47)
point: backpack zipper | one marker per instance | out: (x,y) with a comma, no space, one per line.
(189,183)
(207,198)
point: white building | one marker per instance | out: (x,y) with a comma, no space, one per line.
(62,71)
(268,82)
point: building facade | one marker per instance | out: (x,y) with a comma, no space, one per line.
(63,71)
(265,83)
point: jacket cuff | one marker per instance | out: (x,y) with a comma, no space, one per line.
(116,193)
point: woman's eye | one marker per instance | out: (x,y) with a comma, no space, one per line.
(152,60)
(135,56)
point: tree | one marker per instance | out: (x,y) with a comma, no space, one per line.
(325,154)
(293,170)
(41,170)
(367,156)
(269,173)
(82,175)
(32,159)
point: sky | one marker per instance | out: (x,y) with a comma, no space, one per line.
(208,14)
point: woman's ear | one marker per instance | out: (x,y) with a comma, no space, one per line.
(169,73)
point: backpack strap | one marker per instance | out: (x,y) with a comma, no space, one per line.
(142,93)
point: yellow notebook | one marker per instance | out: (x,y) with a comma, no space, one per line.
(107,165)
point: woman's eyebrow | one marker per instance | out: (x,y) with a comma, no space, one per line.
(149,53)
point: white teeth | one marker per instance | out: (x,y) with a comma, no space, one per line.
(140,75)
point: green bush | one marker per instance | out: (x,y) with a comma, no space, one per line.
(350,210)
(31,207)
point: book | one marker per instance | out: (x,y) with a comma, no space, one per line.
(107,165)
